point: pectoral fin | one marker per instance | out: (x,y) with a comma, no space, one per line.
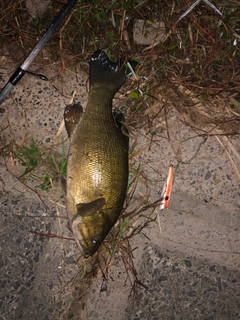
(119,122)
(90,208)
(72,115)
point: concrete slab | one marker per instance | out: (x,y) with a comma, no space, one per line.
(190,264)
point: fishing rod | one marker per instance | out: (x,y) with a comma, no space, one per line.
(19,73)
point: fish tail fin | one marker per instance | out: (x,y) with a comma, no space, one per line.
(103,70)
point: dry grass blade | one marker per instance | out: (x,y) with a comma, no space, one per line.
(211,5)
(235,169)
(230,145)
(189,10)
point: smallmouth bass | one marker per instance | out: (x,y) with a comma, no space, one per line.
(97,165)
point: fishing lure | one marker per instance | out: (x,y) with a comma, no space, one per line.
(167,188)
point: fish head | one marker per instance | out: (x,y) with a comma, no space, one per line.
(90,227)
(89,233)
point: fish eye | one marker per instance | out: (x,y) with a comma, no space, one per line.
(94,241)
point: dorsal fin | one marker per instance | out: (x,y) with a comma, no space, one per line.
(72,115)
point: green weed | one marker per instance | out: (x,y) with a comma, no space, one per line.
(60,166)
(28,157)
(37,164)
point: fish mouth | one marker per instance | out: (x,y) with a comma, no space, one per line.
(84,250)
(81,246)
(79,240)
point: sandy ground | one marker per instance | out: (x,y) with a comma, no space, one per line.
(188,265)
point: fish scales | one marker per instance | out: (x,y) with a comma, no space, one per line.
(98,161)
(97,168)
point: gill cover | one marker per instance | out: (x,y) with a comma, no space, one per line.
(85,226)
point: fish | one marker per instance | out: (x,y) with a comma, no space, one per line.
(97,162)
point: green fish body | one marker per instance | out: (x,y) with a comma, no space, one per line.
(97,167)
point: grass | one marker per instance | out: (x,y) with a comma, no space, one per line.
(199,45)
(195,69)
(35,163)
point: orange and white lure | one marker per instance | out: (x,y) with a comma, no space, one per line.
(167,188)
